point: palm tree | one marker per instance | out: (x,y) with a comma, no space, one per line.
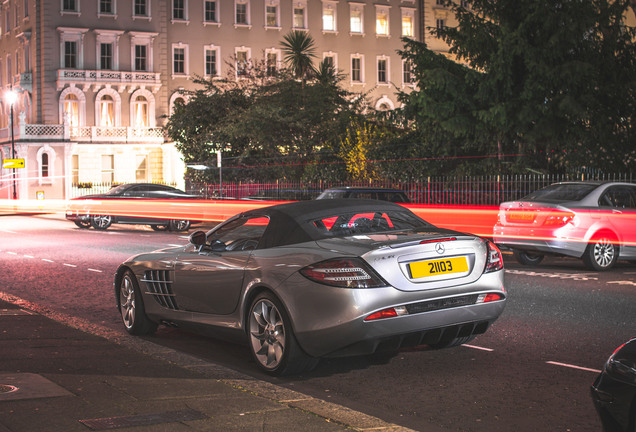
(298,48)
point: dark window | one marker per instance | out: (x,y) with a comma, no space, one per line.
(178,9)
(45,164)
(356,69)
(210,62)
(210,11)
(70,54)
(140,57)
(408,77)
(619,197)
(141,8)
(106,6)
(179,61)
(241,13)
(106,56)
(382,71)
(271,64)
(69,5)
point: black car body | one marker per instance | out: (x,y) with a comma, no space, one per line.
(382,194)
(614,391)
(83,213)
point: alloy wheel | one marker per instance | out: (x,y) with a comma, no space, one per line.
(267,334)
(127,302)
(604,252)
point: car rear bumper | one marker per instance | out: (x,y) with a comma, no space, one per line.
(330,322)
(517,238)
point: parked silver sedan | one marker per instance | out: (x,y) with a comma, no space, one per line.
(313,279)
(594,221)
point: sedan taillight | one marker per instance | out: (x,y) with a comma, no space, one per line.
(343,273)
(494,260)
(557,219)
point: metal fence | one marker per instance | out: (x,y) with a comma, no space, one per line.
(90,188)
(477,190)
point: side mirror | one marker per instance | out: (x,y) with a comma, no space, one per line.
(198,238)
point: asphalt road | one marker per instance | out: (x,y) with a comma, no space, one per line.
(530,372)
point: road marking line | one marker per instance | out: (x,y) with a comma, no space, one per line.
(11,253)
(29,256)
(95,270)
(573,366)
(174,245)
(7,231)
(47,260)
(478,347)
(70,265)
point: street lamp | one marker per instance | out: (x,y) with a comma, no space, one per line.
(11,97)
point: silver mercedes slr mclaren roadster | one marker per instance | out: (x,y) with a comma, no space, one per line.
(313,279)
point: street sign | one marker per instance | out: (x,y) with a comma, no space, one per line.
(12,163)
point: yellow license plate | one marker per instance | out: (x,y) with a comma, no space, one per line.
(438,267)
(520,216)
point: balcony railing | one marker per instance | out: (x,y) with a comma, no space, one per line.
(59,132)
(102,77)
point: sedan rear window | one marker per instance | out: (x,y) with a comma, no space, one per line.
(352,223)
(561,192)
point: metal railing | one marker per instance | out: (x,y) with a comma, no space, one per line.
(476,190)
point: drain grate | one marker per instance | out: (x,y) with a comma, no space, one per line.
(7,388)
(144,419)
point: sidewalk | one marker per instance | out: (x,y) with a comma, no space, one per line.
(54,377)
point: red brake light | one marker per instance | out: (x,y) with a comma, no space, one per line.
(557,219)
(438,240)
(344,273)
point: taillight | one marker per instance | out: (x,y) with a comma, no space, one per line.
(490,297)
(494,260)
(557,219)
(343,273)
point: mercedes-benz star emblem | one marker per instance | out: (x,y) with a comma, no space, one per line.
(439,248)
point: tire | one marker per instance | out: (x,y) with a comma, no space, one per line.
(160,227)
(271,339)
(101,222)
(131,306)
(179,225)
(84,224)
(601,253)
(528,258)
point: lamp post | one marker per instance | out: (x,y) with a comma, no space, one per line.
(11,97)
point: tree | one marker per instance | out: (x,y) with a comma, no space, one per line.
(553,80)
(299,50)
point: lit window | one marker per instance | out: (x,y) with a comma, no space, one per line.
(328,17)
(107,111)
(140,109)
(108,168)
(271,16)
(407,25)
(382,22)
(356,21)
(141,173)
(71,109)
(299,17)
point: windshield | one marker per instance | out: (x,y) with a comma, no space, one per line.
(561,192)
(352,223)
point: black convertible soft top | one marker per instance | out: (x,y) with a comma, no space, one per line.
(291,223)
